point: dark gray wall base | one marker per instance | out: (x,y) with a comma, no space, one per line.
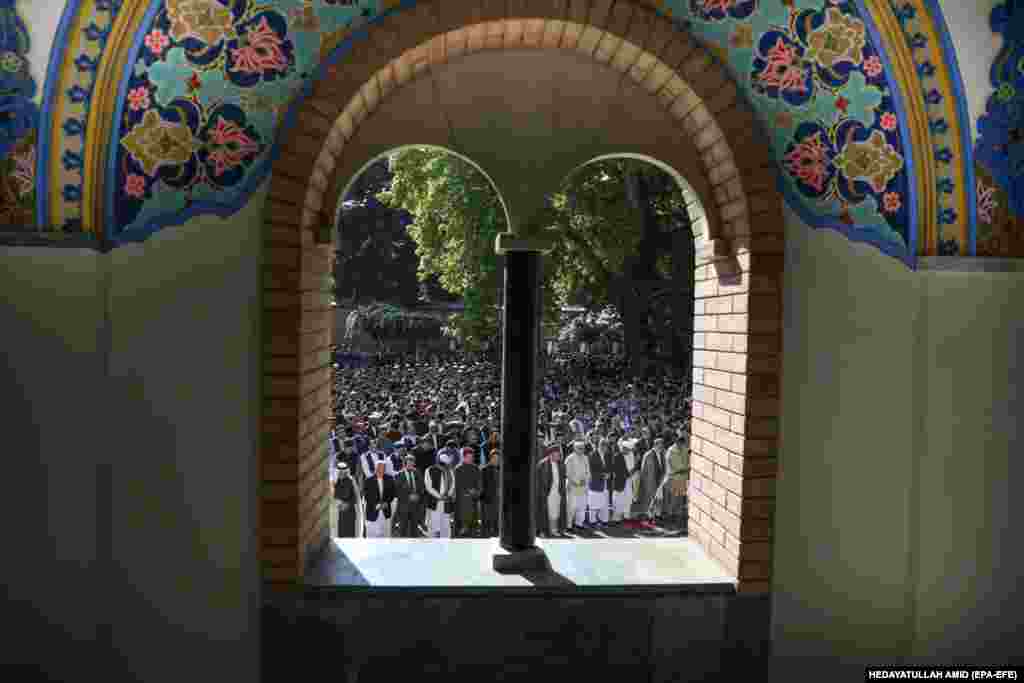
(649,638)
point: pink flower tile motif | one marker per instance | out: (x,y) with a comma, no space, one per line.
(873,66)
(24,174)
(138,98)
(157,41)
(135,186)
(891,202)
(260,51)
(888,121)
(987,203)
(809,162)
(718,10)
(229,146)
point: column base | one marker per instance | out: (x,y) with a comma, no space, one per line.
(522,561)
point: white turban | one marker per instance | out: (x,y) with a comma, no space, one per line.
(445,459)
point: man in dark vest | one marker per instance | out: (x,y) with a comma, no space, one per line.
(467,494)
(409,491)
(597,487)
(490,498)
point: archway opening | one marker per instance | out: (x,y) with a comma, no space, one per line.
(665,96)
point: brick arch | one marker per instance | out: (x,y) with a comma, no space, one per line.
(737,344)
(670,65)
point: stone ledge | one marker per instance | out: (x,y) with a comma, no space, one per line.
(970,264)
(464,566)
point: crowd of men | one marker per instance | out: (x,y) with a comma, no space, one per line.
(416,448)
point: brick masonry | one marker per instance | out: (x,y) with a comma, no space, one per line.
(737,338)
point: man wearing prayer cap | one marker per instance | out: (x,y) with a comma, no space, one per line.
(577,470)
(346,493)
(440,486)
(678,457)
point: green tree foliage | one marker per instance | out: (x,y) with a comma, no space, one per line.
(617,220)
(457,215)
(376,259)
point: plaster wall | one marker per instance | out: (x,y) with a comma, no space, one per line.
(42,18)
(976,47)
(51,398)
(185,394)
(901,408)
(968,573)
(840,557)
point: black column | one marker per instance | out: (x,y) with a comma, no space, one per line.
(519,402)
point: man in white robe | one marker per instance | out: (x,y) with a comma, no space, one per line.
(578,472)
(440,485)
(622,501)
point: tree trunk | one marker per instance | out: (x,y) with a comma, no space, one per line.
(682,301)
(640,269)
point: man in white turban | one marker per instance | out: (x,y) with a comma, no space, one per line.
(578,472)
(440,485)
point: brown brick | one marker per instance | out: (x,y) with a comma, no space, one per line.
(286,189)
(729,480)
(756,530)
(760,386)
(760,467)
(284,235)
(762,427)
(716,530)
(733,503)
(713,491)
(756,551)
(729,521)
(281,556)
(755,571)
(763,407)
(679,49)
(729,561)
(761,448)
(279,515)
(279,536)
(662,33)
(301,147)
(759,488)
(723,171)
(310,119)
(758,508)
(732,362)
(754,587)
